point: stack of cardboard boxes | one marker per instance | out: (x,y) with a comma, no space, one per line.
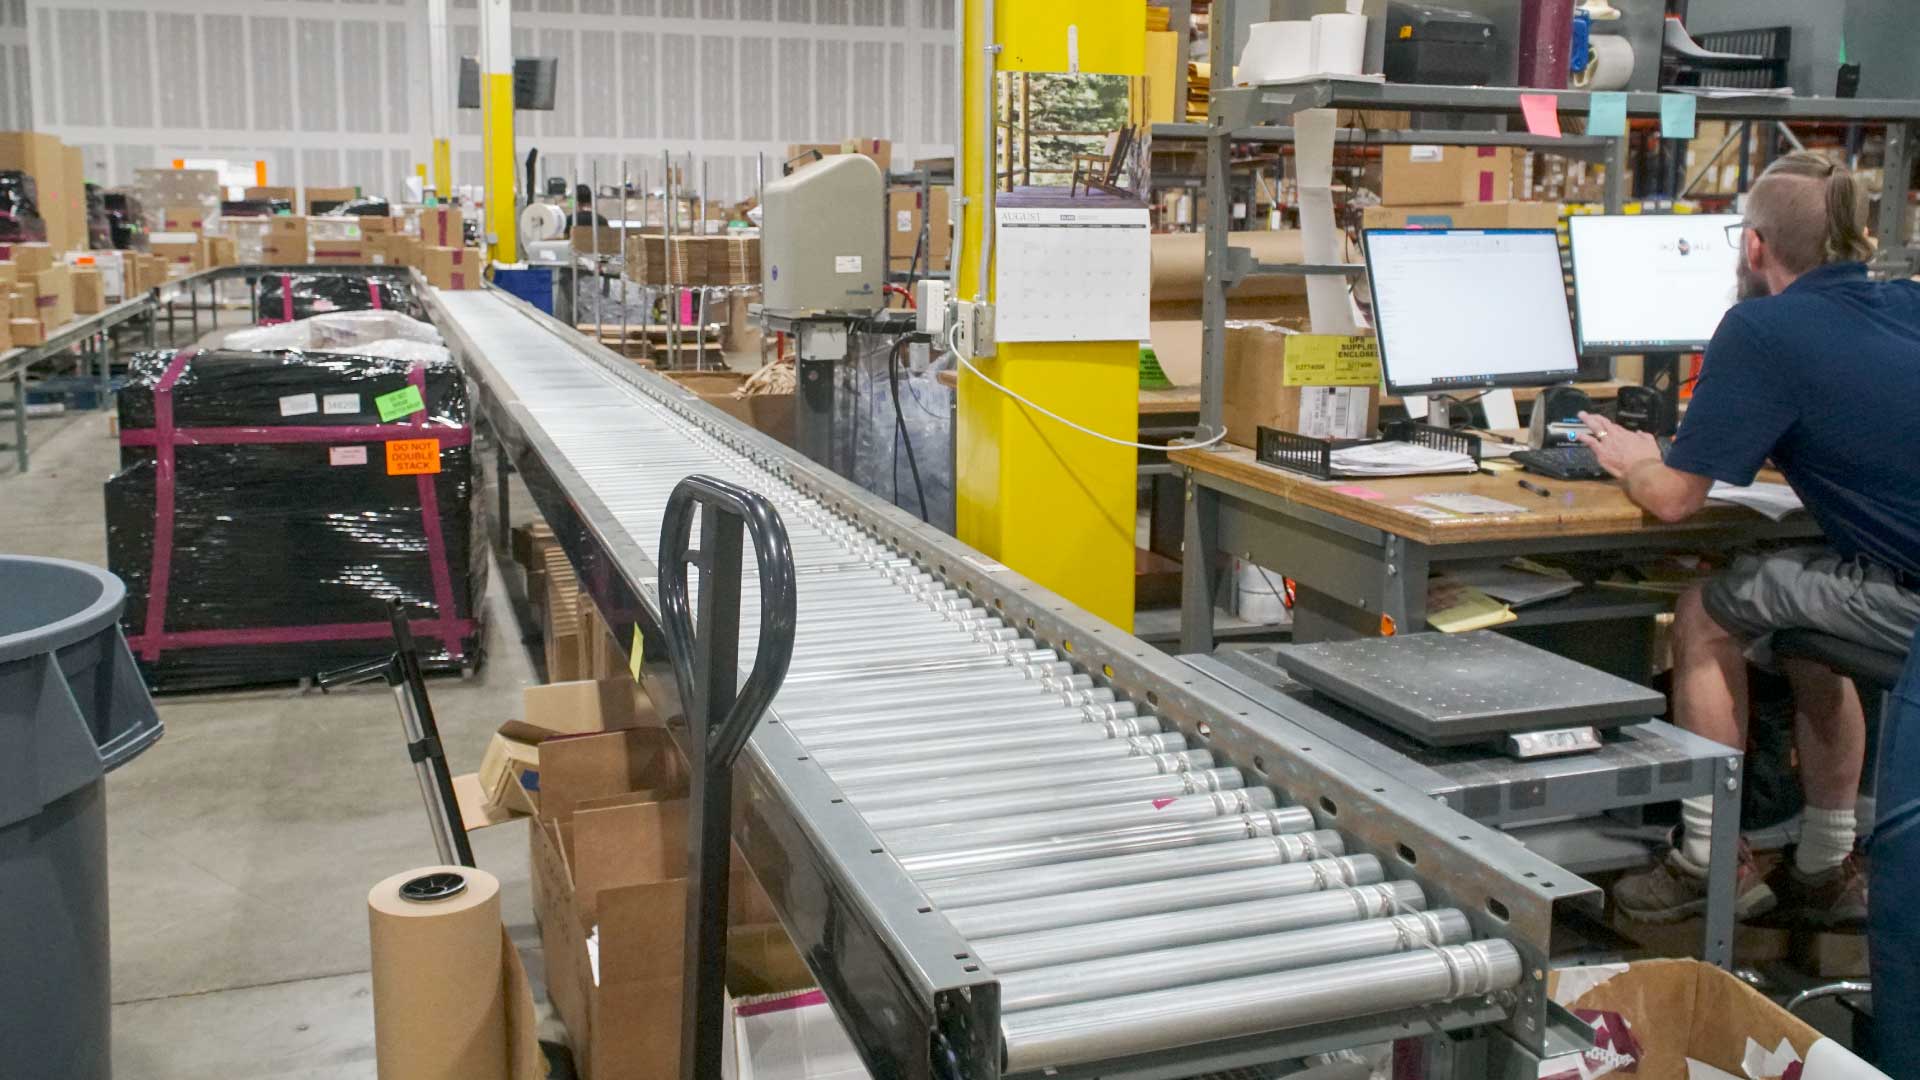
(59,184)
(1456,187)
(905,214)
(40,292)
(286,241)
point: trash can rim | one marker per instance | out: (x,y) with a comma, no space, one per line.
(104,610)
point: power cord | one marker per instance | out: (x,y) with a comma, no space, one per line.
(1050,414)
(900,422)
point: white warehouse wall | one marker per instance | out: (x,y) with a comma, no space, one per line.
(335,93)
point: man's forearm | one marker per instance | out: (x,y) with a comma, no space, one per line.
(1666,493)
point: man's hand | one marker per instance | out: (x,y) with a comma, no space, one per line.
(1618,449)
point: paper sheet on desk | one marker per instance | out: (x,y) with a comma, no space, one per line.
(1774,500)
(1398,459)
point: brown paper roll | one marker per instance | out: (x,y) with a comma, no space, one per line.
(1180,265)
(439,996)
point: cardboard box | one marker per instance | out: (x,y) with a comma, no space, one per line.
(443,226)
(528,544)
(89,292)
(270,194)
(183,219)
(1652,1017)
(800,155)
(1257,394)
(904,215)
(26,332)
(372,225)
(6,333)
(24,301)
(184,254)
(585,705)
(72,199)
(218,251)
(340,252)
(9,275)
(612,863)
(1437,175)
(1508,215)
(44,158)
(31,258)
(285,253)
(290,226)
(55,301)
(327,194)
(772,414)
(453,267)
(880,151)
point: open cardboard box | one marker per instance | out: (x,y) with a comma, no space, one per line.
(609,889)
(507,784)
(1653,1017)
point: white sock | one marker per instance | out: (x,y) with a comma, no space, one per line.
(1696,830)
(1826,839)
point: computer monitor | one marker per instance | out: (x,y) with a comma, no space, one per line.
(1457,309)
(1651,282)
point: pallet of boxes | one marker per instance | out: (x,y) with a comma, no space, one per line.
(603,788)
(442,253)
(40,292)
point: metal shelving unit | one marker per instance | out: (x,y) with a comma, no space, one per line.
(1262,113)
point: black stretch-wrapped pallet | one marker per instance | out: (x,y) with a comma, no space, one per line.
(285,297)
(279,514)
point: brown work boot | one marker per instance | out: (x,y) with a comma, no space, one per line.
(1675,889)
(1833,900)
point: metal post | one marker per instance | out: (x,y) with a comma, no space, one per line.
(624,190)
(599,272)
(666,265)
(1893,225)
(573,257)
(1213,294)
(1198,572)
(1723,862)
(1615,195)
(20,417)
(502,467)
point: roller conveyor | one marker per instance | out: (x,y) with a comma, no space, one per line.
(984,839)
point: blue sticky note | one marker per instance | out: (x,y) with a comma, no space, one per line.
(1607,113)
(1676,116)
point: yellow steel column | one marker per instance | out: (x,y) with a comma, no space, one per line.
(496,102)
(1053,503)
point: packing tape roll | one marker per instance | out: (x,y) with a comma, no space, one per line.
(439,985)
(1611,66)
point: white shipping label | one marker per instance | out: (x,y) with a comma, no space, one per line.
(846,264)
(299,404)
(1334,412)
(340,404)
(346,455)
(903,221)
(1424,153)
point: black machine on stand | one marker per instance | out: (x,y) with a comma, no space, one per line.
(721,710)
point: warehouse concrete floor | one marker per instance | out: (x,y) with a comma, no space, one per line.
(242,845)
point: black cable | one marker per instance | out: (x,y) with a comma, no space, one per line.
(900,425)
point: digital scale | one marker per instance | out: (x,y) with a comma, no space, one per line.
(1473,688)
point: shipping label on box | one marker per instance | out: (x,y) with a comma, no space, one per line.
(1332,360)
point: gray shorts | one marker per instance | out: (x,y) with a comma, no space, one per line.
(1811,588)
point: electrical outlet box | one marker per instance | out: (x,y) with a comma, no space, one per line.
(930,306)
(974,334)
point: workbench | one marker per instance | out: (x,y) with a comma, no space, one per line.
(1360,560)
(1579,810)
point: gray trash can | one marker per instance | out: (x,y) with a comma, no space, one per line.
(72,708)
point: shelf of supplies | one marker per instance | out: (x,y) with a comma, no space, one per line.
(1589,146)
(1245,107)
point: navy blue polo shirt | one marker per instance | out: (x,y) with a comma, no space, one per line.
(1824,379)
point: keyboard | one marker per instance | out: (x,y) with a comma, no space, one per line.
(1570,462)
(1562,463)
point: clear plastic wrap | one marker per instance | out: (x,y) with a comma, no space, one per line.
(880,458)
(338,331)
(264,514)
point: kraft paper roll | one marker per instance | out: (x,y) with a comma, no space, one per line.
(1180,265)
(439,995)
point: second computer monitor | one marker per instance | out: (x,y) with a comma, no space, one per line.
(1457,309)
(1652,283)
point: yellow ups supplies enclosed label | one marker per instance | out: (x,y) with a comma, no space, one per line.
(1332,360)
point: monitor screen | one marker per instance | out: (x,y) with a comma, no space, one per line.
(1654,282)
(1460,308)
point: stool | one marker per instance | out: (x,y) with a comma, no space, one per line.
(1870,669)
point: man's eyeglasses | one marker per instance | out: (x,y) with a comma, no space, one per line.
(1735,231)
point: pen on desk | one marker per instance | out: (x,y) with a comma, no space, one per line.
(1535,488)
(1496,435)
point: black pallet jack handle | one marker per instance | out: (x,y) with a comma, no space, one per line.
(721,712)
(402,674)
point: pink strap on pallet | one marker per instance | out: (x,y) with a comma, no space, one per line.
(286,297)
(164,437)
(161,568)
(373,290)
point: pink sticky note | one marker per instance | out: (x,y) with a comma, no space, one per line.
(1358,492)
(1543,114)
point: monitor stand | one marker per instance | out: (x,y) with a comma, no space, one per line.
(1447,411)
(1661,372)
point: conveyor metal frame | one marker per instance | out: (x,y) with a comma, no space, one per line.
(900,978)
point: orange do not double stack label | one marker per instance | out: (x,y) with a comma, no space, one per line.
(412,457)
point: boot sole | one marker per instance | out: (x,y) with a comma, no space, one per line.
(1751,905)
